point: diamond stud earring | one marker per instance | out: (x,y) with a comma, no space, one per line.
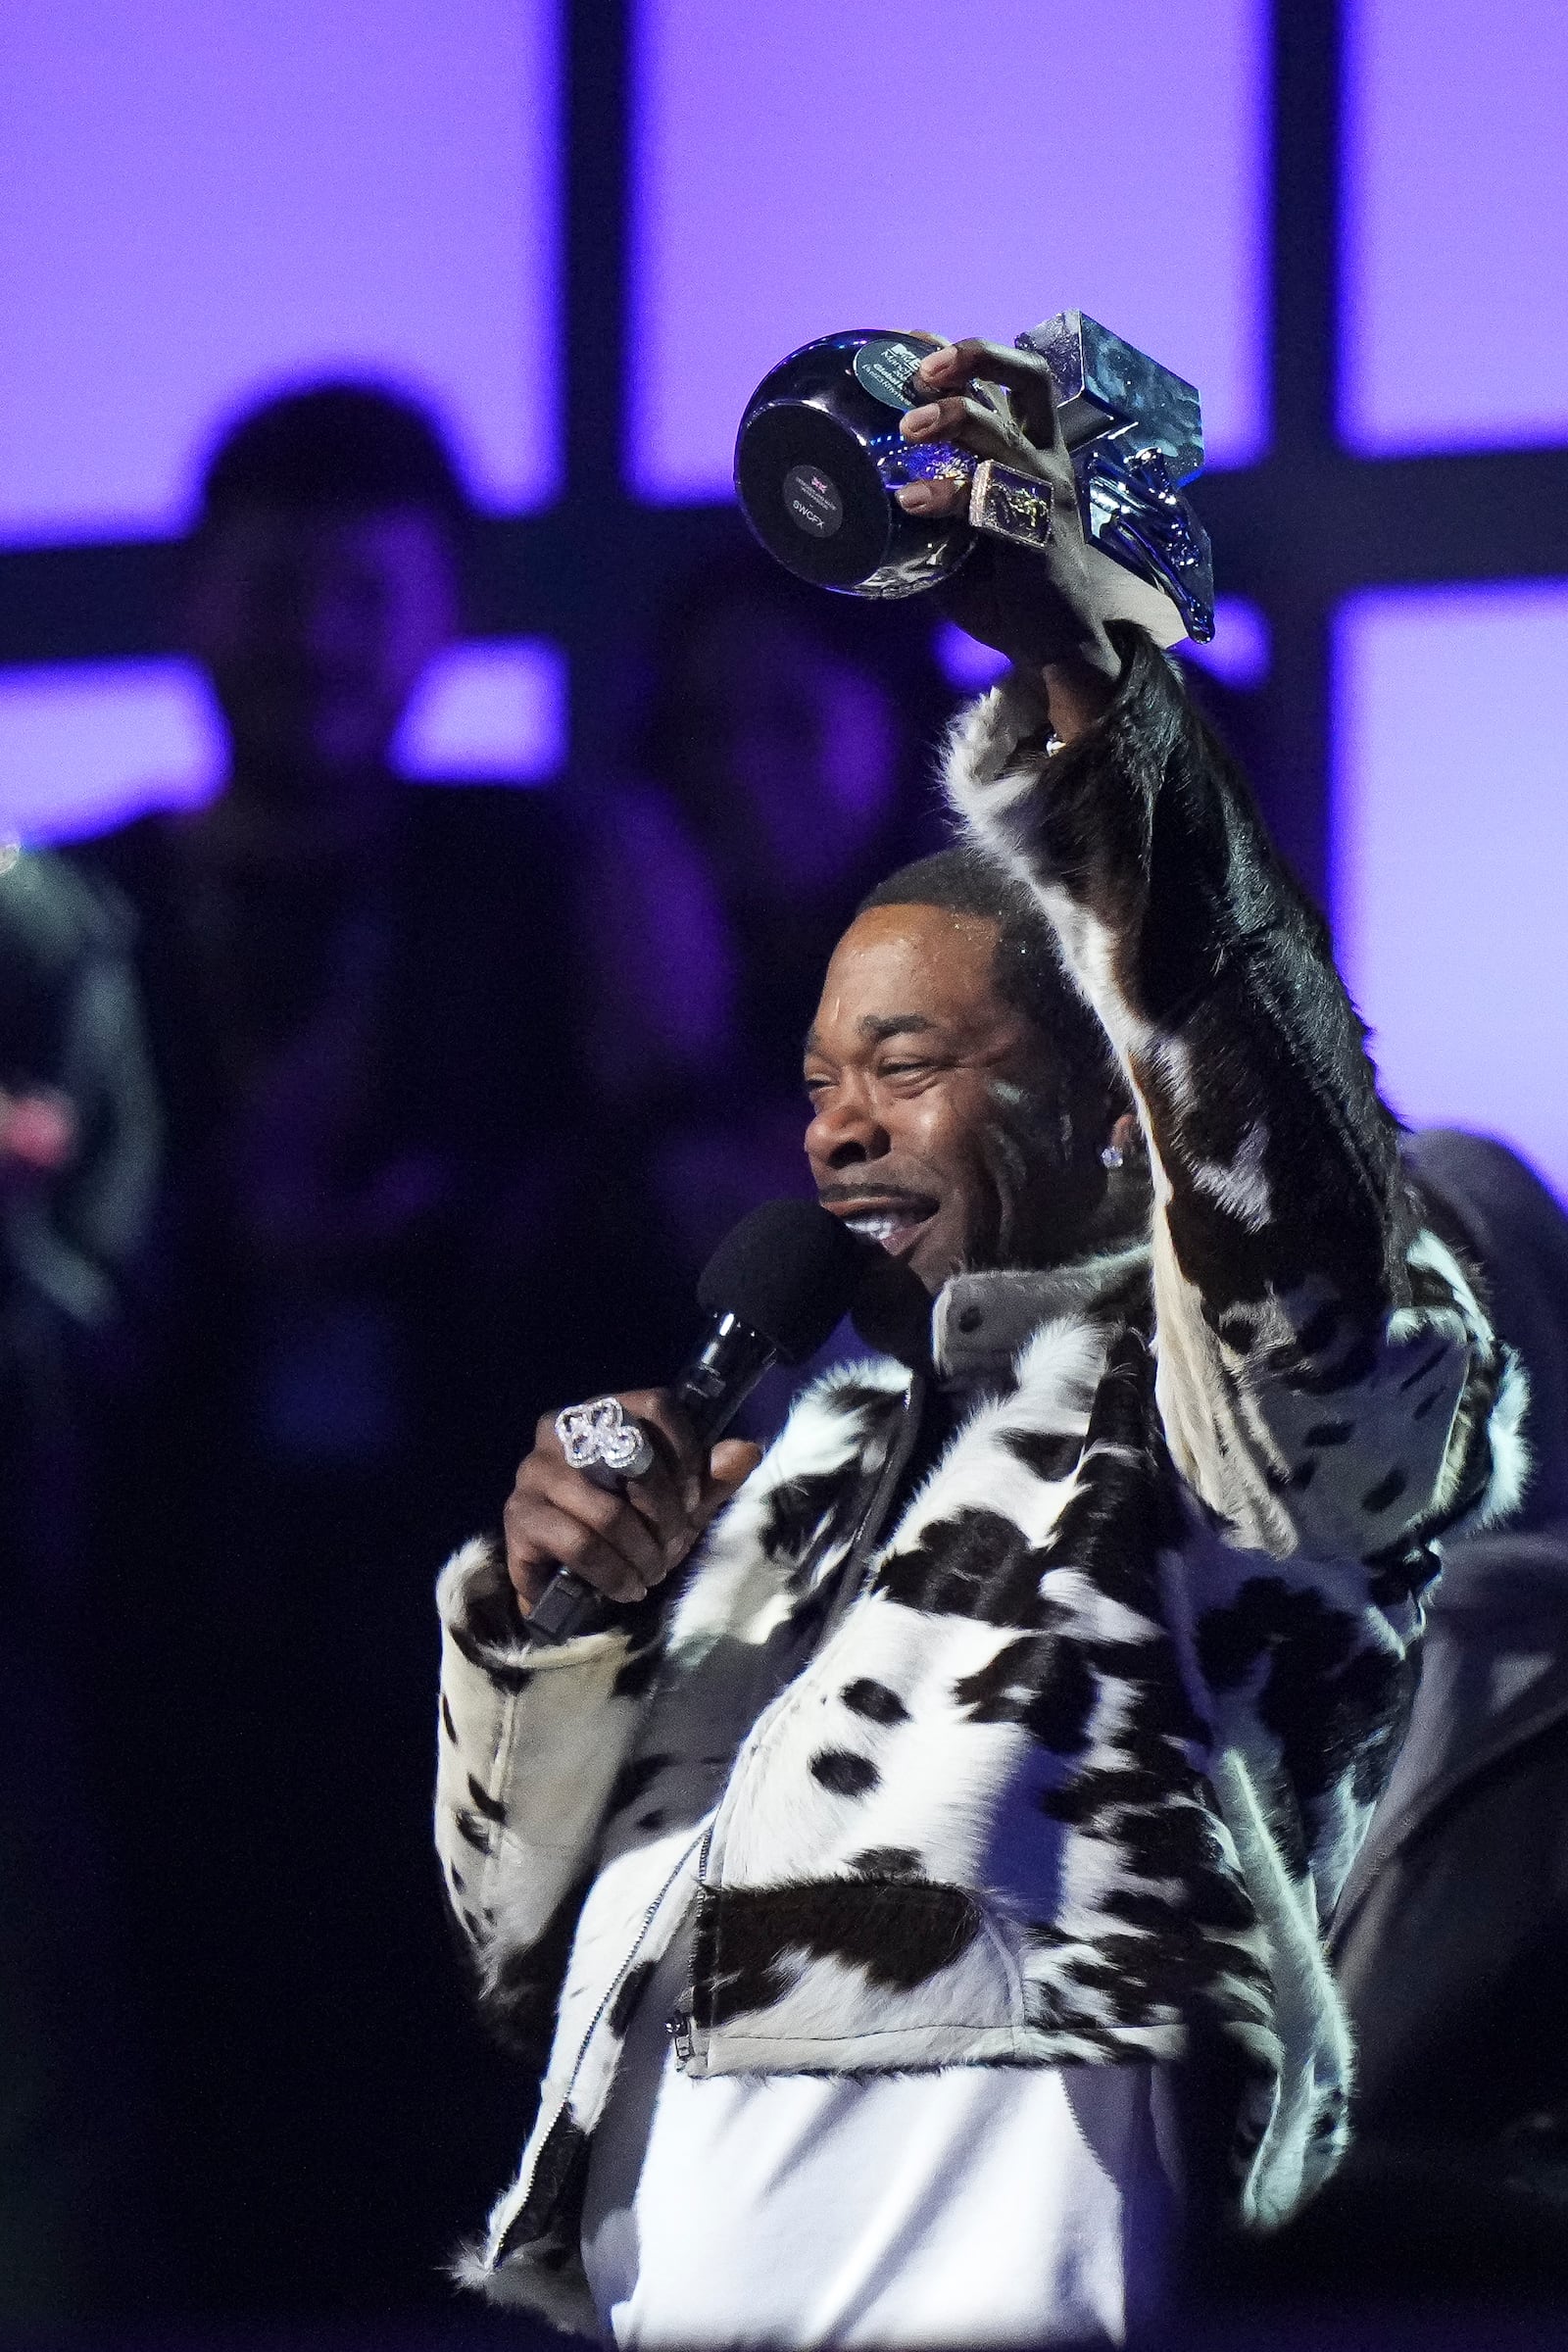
(1112,1157)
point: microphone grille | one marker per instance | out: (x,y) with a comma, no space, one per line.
(790,1271)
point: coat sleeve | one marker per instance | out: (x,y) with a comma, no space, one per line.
(530,1741)
(1326,1373)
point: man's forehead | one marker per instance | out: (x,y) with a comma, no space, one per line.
(901,969)
(949,946)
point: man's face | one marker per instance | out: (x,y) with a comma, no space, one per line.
(316,630)
(943,1125)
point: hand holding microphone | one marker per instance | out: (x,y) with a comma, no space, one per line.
(620,1538)
(617,1492)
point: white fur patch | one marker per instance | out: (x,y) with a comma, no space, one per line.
(1240,1185)
(1510,1448)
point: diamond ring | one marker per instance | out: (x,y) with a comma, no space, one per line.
(600,1435)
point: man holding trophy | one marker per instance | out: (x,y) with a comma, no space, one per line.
(903,1856)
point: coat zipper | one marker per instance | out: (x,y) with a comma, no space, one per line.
(611,1992)
(627,1965)
(678,2023)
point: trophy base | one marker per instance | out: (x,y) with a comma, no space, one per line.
(819,456)
(813,493)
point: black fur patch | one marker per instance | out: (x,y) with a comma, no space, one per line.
(637,1675)
(505,1678)
(1328,1697)
(1042,1681)
(633,1984)
(519,2006)
(490,1806)
(551,2212)
(886,1862)
(1386,1491)
(898,1934)
(845,1774)
(1047,1454)
(976,1564)
(874,1701)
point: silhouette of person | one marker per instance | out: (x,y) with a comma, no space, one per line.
(354,988)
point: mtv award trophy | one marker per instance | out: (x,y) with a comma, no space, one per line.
(819,456)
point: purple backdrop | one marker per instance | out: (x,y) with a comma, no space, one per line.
(196,201)
(1447,866)
(1455,271)
(817,166)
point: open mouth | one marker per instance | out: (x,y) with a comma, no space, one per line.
(892,1224)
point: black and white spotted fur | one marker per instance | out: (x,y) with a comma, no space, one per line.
(1080,1771)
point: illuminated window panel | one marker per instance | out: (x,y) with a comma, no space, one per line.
(197,202)
(893,163)
(494,712)
(87,744)
(1455,260)
(1449,832)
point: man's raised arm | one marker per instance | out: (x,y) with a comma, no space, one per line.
(1326,1371)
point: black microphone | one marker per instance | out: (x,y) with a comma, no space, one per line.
(773,1290)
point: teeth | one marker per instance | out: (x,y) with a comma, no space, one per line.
(881,1224)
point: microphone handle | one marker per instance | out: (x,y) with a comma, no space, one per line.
(709,1391)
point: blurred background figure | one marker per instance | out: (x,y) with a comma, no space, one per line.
(78,1160)
(354,995)
(779,769)
(1450,1940)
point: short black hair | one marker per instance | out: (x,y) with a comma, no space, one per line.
(1029,970)
(341,447)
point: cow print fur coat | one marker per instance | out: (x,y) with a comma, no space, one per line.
(1075,1767)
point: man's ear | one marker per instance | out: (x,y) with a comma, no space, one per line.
(1126,1134)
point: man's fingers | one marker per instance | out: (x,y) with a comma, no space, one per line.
(557,1540)
(1022,374)
(729,1466)
(661,1501)
(933,497)
(972,424)
(622,1539)
(554,1493)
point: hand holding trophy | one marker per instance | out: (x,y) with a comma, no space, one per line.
(881,464)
